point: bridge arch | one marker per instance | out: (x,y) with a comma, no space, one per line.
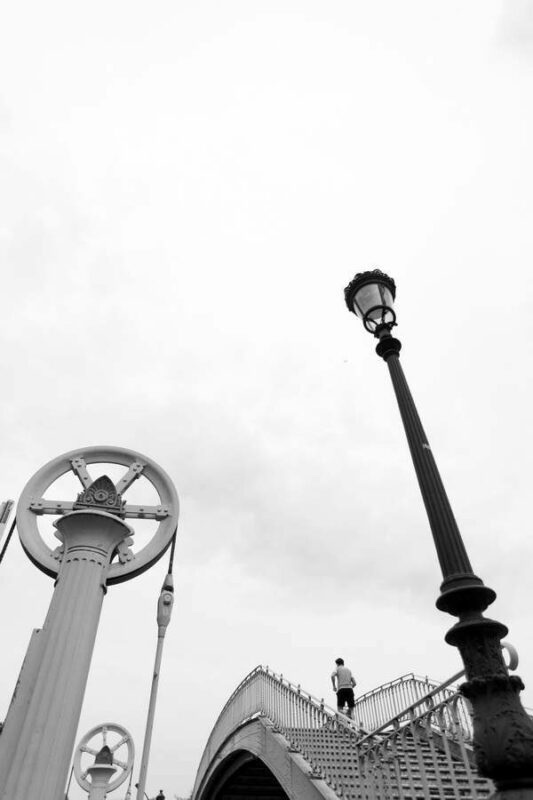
(256,760)
(411,738)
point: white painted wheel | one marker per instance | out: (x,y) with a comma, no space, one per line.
(32,504)
(119,741)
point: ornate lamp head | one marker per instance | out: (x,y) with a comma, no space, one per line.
(370,295)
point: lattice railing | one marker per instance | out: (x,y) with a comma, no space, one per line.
(410,738)
(392,699)
(428,753)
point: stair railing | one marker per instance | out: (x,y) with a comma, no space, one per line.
(305,721)
(439,696)
(375,710)
(366,758)
(428,753)
(371,708)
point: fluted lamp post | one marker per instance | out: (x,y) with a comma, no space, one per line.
(503,732)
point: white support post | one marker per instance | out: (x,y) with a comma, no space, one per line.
(101,775)
(164,611)
(43,719)
(39,765)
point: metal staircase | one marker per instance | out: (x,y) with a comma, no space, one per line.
(411,739)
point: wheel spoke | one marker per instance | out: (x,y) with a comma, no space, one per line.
(119,743)
(44,506)
(104,734)
(90,750)
(120,764)
(79,468)
(146,512)
(129,477)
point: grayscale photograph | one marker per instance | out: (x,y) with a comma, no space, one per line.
(266,338)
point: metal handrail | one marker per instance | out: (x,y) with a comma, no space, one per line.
(377,709)
(264,693)
(442,689)
(443,763)
(411,684)
(372,758)
(390,684)
(321,734)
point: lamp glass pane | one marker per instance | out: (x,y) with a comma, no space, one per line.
(386,296)
(373,303)
(370,295)
(367,297)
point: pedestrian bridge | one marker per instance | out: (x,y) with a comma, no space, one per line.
(410,739)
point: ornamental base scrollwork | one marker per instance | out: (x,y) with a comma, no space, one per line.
(503,732)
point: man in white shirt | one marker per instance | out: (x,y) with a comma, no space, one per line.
(343,682)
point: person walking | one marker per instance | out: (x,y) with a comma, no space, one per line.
(343,682)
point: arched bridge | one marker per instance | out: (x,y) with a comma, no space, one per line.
(411,739)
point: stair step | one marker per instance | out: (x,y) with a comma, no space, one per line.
(411,768)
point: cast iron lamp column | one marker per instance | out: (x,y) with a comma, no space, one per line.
(503,732)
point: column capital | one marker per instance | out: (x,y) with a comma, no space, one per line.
(91,535)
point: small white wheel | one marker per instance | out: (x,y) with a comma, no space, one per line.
(32,504)
(119,741)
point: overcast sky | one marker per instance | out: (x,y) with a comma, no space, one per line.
(186,189)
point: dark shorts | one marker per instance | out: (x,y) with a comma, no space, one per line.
(345,696)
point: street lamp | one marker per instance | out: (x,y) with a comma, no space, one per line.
(503,732)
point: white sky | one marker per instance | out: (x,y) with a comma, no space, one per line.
(186,189)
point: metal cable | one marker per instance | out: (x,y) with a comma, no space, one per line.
(172,549)
(69,782)
(128,793)
(8,539)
